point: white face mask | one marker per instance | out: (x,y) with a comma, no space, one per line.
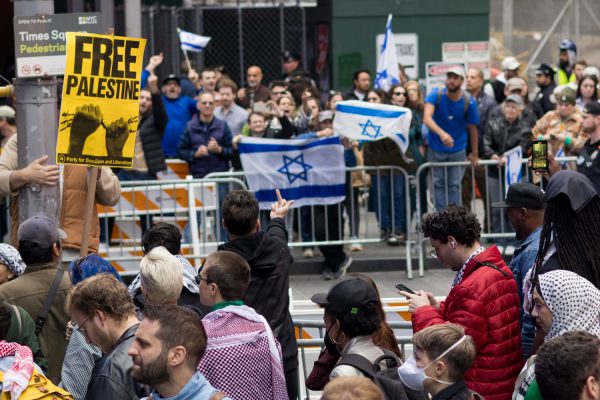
(413,376)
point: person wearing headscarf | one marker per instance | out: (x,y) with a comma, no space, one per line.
(562,301)
(11,263)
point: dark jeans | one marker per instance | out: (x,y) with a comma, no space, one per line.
(351,205)
(328,227)
(389,201)
(107,224)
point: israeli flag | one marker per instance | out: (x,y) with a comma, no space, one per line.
(308,171)
(191,42)
(359,120)
(388,73)
(514,162)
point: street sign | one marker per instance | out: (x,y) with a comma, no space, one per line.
(473,54)
(40,41)
(436,73)
(407,51)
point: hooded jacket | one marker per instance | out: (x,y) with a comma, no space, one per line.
(486,304)
(269,258)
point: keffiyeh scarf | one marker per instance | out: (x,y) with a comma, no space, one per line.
(18,376)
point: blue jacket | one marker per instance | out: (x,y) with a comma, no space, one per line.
(521,263)
(197,388)
(198,134)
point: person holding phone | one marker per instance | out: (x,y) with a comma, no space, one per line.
(483,300)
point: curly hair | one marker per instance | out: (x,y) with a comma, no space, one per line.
(101,292)
(454,221)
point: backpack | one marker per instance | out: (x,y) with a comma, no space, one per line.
(466,96)
(38,388)
(387,380)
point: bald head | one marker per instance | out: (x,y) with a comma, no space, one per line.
(254,76)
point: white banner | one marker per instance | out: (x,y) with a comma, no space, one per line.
(514,162)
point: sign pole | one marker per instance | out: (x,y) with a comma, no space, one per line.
(90,199)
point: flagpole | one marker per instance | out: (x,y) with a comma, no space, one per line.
(185,54)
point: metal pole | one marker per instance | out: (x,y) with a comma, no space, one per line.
(577,11)
(241,39)
(538,50)
(591,13)
(507,24)
(133,18)
(281,31)
(303,37)
(37,127)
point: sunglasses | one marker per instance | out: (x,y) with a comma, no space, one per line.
(399,93)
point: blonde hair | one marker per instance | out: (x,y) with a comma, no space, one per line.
(161,275)
(352,388)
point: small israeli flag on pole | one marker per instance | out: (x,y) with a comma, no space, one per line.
(387,68)
(191,42)
(514,163)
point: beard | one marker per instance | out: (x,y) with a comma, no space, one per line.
(153,373)
(563,64)
(452,88)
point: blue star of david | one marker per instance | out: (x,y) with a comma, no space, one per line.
(293,173)
(375,130)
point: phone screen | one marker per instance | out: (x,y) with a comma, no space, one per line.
(539,157)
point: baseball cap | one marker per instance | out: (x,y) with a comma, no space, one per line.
(525,194)
(545,69)
(567,95)
(456,71)
(171,77)
(510,63)
(591,70)
(7,112)
(576,186)
(289,56)
(592,108)
(514,84)
(41,230)
(514,98)
(325,115)
(348,296)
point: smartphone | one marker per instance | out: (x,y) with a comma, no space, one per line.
(404,288)
(539,155)
(261,107)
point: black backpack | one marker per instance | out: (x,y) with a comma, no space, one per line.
(387,380)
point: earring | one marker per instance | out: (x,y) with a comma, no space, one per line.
(453,245)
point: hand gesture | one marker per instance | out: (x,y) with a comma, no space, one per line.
(447,140)
(153,83)
(241,94)
(214,147)
(116,136)
(193,75)
(85,122)
(154,62)
(202,151)
(38,172)
(274,109)
(280,208)
(234,142)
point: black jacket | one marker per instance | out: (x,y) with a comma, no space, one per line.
(269,257)
(457,391)
(111,376)
(500,135)
(151,130)
(542,99)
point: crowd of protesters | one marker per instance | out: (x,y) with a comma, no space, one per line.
(529,329)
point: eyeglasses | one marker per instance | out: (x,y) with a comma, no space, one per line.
(413,90)
(81,328)
(279,93)
(207,103)
(399,93)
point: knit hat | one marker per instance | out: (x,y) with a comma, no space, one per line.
(10,257)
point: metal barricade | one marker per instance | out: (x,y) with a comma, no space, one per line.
(324,226)
(488,179)
(184,203)
(314,346)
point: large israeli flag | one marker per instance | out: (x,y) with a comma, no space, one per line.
(308,171)
(359,120)
(191,42)
(514,163)
(388,73)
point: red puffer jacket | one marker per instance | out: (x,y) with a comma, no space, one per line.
(486,304)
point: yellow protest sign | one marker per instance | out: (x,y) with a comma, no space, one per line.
(100,100)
